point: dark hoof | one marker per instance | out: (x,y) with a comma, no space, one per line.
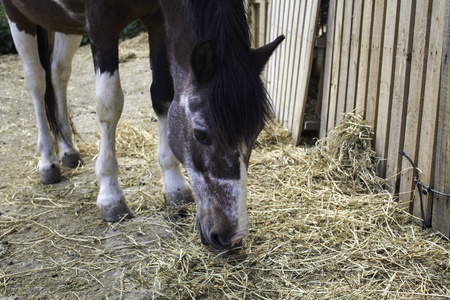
(179,198)
(115,212)
(71,160)
(52,175)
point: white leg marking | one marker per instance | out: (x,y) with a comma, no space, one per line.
(109,104)
(64,49)
(174,181)
(26,45)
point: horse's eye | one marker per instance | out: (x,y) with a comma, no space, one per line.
(202,137)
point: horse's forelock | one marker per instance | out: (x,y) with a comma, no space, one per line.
(239,106)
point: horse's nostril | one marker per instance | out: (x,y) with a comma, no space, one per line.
(215,239)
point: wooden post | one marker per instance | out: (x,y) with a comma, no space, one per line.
(386,79)
(328,68)
(307,57)
(441,204)
(354,55)
(400,92)
(415,101)
(425,161)
(345,57)
(335,65)
(364,56)
(373,90)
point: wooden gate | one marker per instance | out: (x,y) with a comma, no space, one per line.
(289,69)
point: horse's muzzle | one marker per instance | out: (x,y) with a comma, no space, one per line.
(222,242)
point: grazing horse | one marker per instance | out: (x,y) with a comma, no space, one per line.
(206,91)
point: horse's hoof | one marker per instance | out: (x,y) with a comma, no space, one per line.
(116,211)
(71,160)
(179,198)
(52,175)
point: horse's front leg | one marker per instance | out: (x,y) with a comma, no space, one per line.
(109,104)
(109,100)
(175,189)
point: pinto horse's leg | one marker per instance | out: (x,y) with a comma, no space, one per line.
(64,49)
(109,101)
(175,189)
(26,44)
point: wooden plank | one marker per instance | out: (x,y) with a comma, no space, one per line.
(400,92)
(415,103)
(274,64)
(328,68)
(441,205)
(306,17)
(335,66)
(375,63)
(386,80)
(364,57)
(430,114)
(345,57)
(302,88)
(292,55)
(294,65)
(283,19)
(354,56)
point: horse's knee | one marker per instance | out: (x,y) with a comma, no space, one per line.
(61,71)
(109,97)
(162,96)
(35,81)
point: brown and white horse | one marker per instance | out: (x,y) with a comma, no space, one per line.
(210,101)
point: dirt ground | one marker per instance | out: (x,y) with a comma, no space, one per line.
(46,232)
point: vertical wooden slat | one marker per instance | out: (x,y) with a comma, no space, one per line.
(364,56)
(441,204)
(284,11)
(274,62)
(415,103)
(291,77)
(400,92)
(294,67)
(354,55)
(335,65)
(430,112)
(386,79)
(328,67)
(375,63)
(307,58)
(345,56)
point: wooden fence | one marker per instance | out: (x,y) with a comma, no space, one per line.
(387,59)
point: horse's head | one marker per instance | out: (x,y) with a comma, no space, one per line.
(213,125)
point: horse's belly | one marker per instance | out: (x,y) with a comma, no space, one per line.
(66,16)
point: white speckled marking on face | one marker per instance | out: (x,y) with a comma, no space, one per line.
(234,190)
(214,194)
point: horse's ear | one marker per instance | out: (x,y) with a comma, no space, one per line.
(262,54)
(203,61)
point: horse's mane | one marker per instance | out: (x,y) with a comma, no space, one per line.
(239,106)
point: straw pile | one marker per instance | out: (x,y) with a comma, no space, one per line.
(321,225)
